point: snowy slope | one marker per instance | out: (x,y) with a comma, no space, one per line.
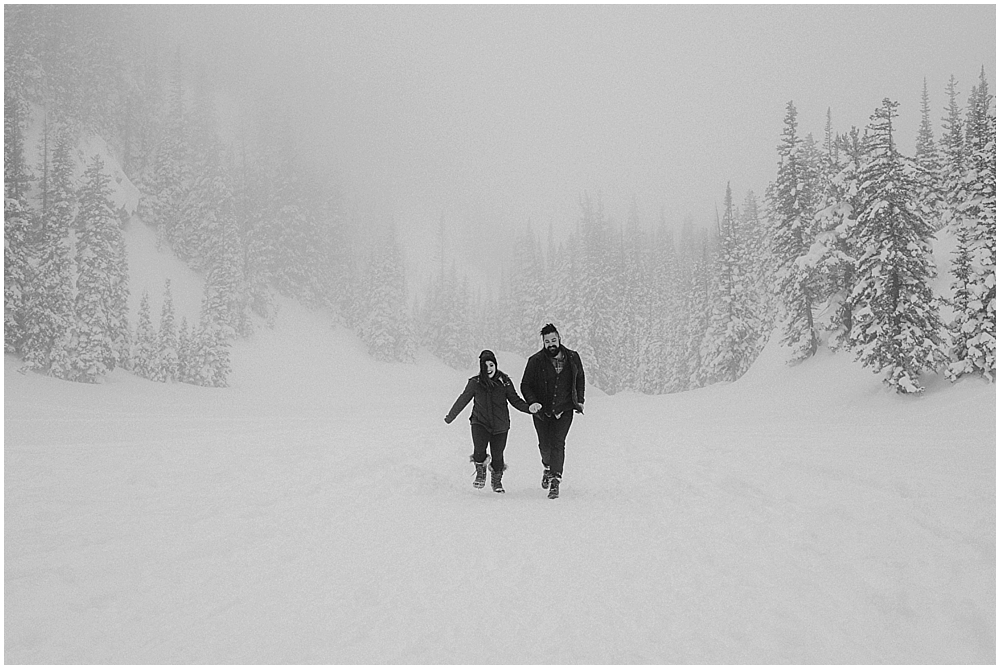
(320,510)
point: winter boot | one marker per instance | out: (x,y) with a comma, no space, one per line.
(495,477)
(554,486)
(480,474)
(546,477)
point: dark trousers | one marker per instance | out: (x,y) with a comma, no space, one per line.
(481,437)
(552,433)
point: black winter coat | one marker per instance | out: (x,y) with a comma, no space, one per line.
(539,381)
(490,406)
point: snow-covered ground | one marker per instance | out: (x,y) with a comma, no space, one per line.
(320,511)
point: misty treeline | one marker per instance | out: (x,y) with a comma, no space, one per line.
(837,253)
(245,213)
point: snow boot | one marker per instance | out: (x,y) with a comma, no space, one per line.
(554,486)
(480,481)
(546,477)
(495,479)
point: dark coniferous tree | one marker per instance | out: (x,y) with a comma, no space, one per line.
(896,328)
(791,214)
(973,329)
(952,156)
(729,340)
(926,158)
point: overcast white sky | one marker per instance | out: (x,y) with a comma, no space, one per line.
(505,113)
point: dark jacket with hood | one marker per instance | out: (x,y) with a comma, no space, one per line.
(540,383)
(491,398)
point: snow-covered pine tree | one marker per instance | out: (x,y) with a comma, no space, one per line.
(664,315)
(165,189)
(595,314)
(144,355)
(16,219)
(831,258)
(733,337)
(119,328)
(49,297)
(210,360)
(445,320)
(166,340)
(634,295)
(755,268)
(226,294)
(952,156)
(896,330)
(791,210)
(926,158)
(525,313)
(186,372)
(386,326)
(973,329)
(100,310)
(697,316)
(212,211)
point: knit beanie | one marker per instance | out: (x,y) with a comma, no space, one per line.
(483,357)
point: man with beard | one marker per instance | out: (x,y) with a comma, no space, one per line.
(554,379)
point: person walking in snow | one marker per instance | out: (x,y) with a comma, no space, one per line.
(553,377)
(492,390)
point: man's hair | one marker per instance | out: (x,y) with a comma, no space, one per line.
(549,329)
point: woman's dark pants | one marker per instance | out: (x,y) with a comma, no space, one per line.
(481,437)
(552,433)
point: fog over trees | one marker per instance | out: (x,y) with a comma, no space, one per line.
(834,250)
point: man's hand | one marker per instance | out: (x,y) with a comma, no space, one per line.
(535,408)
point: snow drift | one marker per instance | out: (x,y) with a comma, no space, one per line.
(320,510)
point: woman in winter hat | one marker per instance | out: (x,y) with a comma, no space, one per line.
(492,390)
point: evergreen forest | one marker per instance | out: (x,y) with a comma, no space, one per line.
(836,253)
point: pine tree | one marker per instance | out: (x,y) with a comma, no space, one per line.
(386,326)
(698,314)
(973,329)
(186,372)
(49,300)
(145,355)
(167,348)
(730,341)
(756,305)
(663,344)
(896,329)
(96,335)
(525,311)
(952,154)
(166,187)
(791,214)
(831,259)
(209,353)
(16,217)
(926,158)
(633,290)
